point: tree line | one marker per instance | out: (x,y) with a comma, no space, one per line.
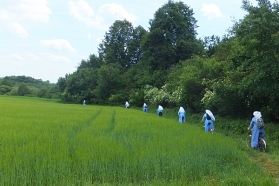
(168,65)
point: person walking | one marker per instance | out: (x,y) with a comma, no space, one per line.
(208,119)
(257,130)
(160,111)
(144,107)
(127,105)
(181,115)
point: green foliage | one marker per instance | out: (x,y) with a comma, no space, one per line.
(163,96)
(116,99)
(136,97)
(109,80)
(211,43)
(258,34)
(121,44)
(196,76)
(23,90)
(15,80)
(27,86)
(172,36)
(93,62)
(4,89)
(79,85)
(225,100)
(170,40)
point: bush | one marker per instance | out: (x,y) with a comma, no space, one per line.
(5,89)
(116,99)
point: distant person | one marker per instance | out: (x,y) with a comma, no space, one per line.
(84,102)
(160,111)
(257,126)
(127,105)
(144,107)
(181,115)
(208,119)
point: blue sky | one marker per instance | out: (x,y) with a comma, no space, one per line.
(47,39)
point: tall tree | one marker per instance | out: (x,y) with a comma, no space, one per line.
(172,36)
(258,32)
(121,44)
(109,81)
(92,62)
(23,89)
(210,43)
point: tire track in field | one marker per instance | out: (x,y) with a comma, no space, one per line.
(75,130)
(81,126)
(118,136)
(112,123)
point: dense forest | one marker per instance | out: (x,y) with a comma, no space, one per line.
(168,65)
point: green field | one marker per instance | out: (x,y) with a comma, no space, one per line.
(47,143)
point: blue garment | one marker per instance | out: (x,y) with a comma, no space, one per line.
(256,133)
(160,110)
(181,116)
(208,124)
(144,107)
(127,105)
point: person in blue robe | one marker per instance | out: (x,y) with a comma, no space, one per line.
(144,107)
(160,111)
(181,115)
(256,132)
(208,122)
(127,105)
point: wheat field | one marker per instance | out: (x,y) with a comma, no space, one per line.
(43,142)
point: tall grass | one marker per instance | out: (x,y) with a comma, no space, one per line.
(47,143)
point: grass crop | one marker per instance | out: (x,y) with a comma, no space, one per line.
(48,143)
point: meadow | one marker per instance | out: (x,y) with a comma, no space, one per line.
(43,142)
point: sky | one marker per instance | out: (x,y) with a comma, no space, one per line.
(47,39)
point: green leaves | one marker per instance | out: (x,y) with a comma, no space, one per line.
(172,36)
(121,44)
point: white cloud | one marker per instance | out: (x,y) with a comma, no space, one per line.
(104,17)
(15,13)
(17,29)
(82,11)
(116,12)
(58,44)
(31,10)
(211,10)
(89,36)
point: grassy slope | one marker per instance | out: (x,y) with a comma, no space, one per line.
(232,129)
(84,141)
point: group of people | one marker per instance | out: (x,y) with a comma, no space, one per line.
(181,111)
(208,120)
(256,126)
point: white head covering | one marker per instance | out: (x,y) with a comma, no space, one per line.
(144,105)
(257,114)
(210,114)
(181,109)
(160,107)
